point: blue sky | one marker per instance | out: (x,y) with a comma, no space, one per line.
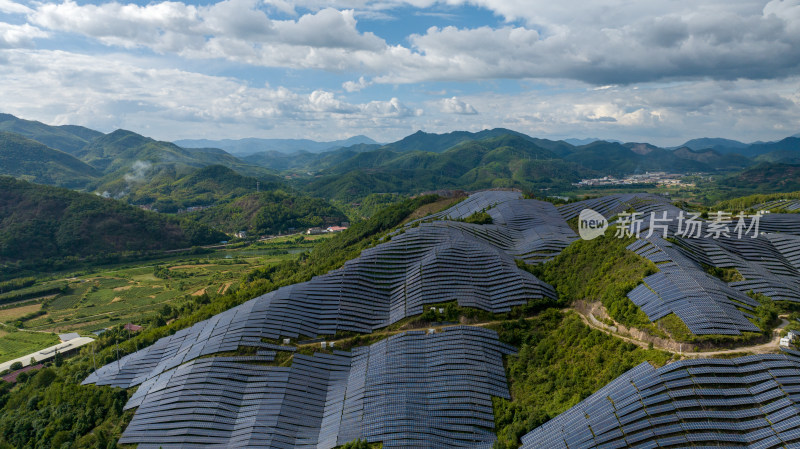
(662,72)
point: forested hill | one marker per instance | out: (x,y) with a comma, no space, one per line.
(270,212)
(169,191)
(67,138)
(28,159)
(40,222)
(499,161)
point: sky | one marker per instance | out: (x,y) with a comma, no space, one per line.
(660,71)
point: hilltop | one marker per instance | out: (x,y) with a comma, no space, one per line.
(28,159)
(41,222)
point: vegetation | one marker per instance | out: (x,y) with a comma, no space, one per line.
(507,160)
(270,213)
(479,218)
(15,343)
(600,270)
(49,408)
(169,192)
(745,203)
(361,444)
(30,160)
(560,362)
(39,222)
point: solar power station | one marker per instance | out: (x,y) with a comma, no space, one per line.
(435,389)
(409,390)
(751,401)
(704,303)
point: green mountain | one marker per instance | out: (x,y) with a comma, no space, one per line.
(789,144)
(303,161)
(67,138)
(437,143)
(120,149)
(785,156)
(621,159)
(170,192)
(243,147)
(501,161)
(766,177)
(270,212)
(720,145)
(30,160)
(714,159)
(40,222)
(129,161)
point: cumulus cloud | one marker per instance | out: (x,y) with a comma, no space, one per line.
(455,106)
(355,86)
(19,36)
(9,7)
(114,92)
(605,42)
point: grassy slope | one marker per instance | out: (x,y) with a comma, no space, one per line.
(600,270)
(560,362)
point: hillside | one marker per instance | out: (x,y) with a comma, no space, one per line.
(169,191)
(270,213)
(116,152)
(717,144)
(30,160)
(129,161)
(765,177)
(619,159)
(437,143)
(40,222)
(67,138)
(510,348)
(713,159)
(504,161)
(245,147)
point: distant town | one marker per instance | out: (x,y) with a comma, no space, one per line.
(658,178)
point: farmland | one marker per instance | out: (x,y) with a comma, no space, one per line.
(103,297)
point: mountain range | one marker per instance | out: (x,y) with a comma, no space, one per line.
(244,147)
(124,164)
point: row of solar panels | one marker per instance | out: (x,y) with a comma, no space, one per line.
(409,390)
(749,401)
(431,263)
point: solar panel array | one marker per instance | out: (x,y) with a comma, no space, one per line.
(780,223)
(477,202)
(769,264)
(611,205)
(530,230)
(432,263)
(704,303)
(790,205)
(751,401)
(409,390)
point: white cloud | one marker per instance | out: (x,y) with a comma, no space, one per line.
(9,7)
(19,36)
(355,86)
(108,92)
(455,106)
(603,42)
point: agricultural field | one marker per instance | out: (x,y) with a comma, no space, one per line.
(131,293)
(16,343)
